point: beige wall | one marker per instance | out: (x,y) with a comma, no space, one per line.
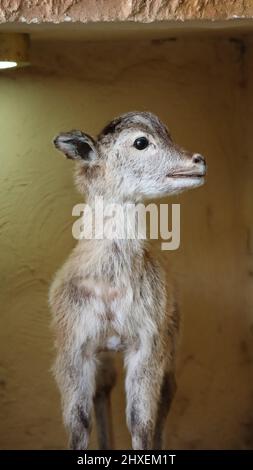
(200,88)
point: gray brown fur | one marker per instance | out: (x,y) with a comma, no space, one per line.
(111,295)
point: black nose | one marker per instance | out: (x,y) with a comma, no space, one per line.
(197,158)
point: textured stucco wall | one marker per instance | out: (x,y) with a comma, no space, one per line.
(203,91)
(37,11)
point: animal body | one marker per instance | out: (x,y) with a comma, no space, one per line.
(111,294)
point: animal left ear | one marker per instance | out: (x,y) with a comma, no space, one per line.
(76,145)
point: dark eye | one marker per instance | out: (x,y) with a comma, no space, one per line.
(141,143)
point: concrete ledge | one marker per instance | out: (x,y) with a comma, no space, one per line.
(144,11)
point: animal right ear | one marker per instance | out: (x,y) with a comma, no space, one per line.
(76,145)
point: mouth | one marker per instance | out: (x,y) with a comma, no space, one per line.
(192,175)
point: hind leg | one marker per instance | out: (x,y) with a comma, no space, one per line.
(167,393)
(105,380)
(169,386)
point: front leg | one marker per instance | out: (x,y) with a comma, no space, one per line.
(75,367)
(76,380)
(145,372)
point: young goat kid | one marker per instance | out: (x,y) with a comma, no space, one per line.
(110,295)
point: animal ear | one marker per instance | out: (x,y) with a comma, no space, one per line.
(76,145)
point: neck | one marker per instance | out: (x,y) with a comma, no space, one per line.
(107,221)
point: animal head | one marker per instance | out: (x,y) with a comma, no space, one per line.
(133,158)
